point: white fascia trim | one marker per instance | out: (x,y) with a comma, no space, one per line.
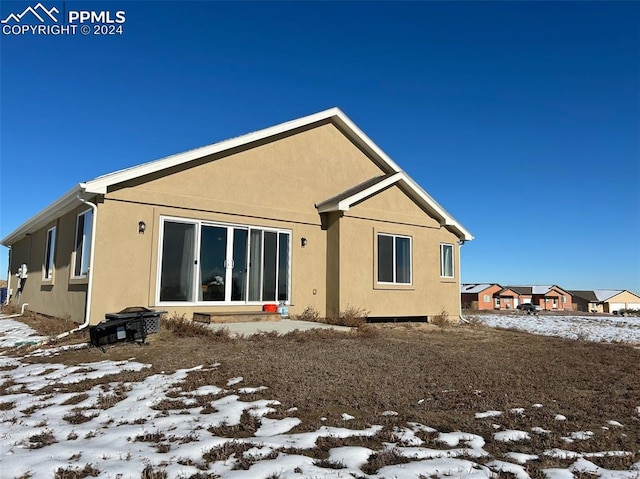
(445,218)
(365,142)
(61,206)
(100,184)
(346,203)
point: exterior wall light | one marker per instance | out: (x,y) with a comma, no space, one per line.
(303,242)
(142,227)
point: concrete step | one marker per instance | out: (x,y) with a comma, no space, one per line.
(236,317)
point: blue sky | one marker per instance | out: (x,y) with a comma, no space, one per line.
(521,118)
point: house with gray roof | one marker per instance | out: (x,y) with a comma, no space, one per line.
(605,300)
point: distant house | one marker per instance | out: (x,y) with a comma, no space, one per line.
(478,295)
(310,213)
(548,297)
(604,301)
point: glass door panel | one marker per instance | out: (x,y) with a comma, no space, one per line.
(269,265)
(239,265)
(283,267)
(176,276)
(213,261)
(255,265)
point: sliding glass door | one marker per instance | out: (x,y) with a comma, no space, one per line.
(233,263)
(176,281)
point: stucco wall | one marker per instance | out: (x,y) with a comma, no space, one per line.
(127,262)
(428,294)
(62,296)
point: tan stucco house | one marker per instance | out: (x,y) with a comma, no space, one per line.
(605,300)
(309,212)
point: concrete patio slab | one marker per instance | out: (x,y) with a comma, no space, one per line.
(282,327)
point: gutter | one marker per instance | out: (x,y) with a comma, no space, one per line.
(6,301)
(461,243)
(87,312)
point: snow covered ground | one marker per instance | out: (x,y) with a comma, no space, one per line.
(610,329)
(117,430)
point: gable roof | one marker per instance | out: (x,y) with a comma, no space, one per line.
(535,289)
(348,198)
(393,173)
(589,296)
(476,288)
(518,289)
(605,294)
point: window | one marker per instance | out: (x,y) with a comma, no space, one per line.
(83,244)
(487,298)
(218,263)
(394,259)
(49,254)
(446,260)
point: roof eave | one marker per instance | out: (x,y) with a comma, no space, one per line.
(335,115)
(65,203)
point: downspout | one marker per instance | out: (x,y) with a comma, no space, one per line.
(461,243)
(6,300)
(87,313)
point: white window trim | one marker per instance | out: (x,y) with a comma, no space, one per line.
(84,246)
(199,224)
(453,262)
(393,253)
(49,255)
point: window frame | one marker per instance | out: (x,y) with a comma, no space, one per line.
(394,265)
(84,246)
(443,271)
(231,227)
(49,255)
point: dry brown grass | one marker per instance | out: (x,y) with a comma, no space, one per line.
(439,376)
(89,470)
(46,325)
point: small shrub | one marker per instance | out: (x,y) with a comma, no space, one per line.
(150,437)
(163,448)
(45,438)
(105,401)
(78,417)
(226,450)
(329,464)
(78,398)
(441,319)
(352,317)
(150,473)
(388,457)
(88,471)
(248,425)
(309,314)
